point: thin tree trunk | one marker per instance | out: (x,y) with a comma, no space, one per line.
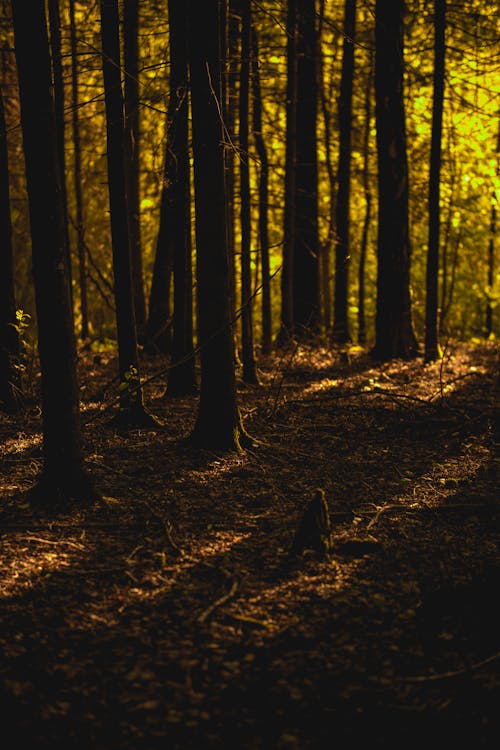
(491,248)
(58,80)
(80,225)
(341,333)
(368,207)
(432,349)
(260,145)
(131,400)
(181,377)
(287,324)
(132,162)
(249,372)
(9,338)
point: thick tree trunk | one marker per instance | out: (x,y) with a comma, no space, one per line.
(218,423)
(9,339)
(341,333)
(132,146)
(260,145)
(249,372)
(432,349)
(63,473)
(394,329)
(306,246)
(181,378)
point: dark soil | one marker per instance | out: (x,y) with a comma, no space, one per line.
(170,614)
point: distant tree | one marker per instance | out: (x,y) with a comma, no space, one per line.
(249,371)
(9,339)
(432,349)
(218,424)
(132,409)
(158,338)
(394,336)
(132,161)
(260,146)
(63,474)
(181,377)
(77,174)
(341,333)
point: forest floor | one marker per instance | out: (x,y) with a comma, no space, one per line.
(171,615)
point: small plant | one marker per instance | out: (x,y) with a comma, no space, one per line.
(23,363)
(130,385)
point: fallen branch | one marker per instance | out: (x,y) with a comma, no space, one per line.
(454,673)
(220,601)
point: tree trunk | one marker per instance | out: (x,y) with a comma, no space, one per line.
(394,330)
(368,209)
(341,333)
(63,472)
(58,80)
(491,248)
(131,402)
(249,373)
(306,246)
(80,226)
(181,377)
(9,339)
(132,161)
(218,423)
(260,145)
(432,349)
(289,229)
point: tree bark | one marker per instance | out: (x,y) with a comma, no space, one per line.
(9,339)
(394,336)
(80,224)
(63,473)
(260,145)
(218,424)
(132,163)
(432,349)
(131,401)
(341,334)
(249,371)
(181,377)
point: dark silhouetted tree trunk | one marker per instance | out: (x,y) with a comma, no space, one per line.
(181,377)
(9,339)
(63,474)
(158,330)
(266,341)
(249,372)
(57,70)
(218,423)
(132,161)
(491,248)
(341,333)
(368,210)
(131,402)
(394,330)
(306,246)
(80,226)
(432,349)
(289,230)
